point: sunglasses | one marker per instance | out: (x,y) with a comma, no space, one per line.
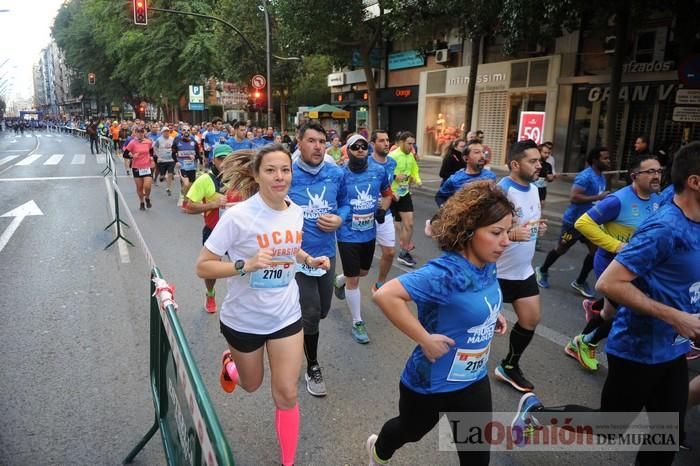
(358,146)
(652,171)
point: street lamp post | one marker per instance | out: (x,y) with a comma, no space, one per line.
(268,46)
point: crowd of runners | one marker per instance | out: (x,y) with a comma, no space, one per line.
(281,208)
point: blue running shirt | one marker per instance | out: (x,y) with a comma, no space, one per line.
(458,300)
(455,182)
(317,195)
(362,191)
(664,253)
(592,184)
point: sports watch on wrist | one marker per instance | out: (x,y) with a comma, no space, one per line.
(238,266)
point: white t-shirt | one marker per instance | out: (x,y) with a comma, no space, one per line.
(516,261)
(164,149)
(265,301)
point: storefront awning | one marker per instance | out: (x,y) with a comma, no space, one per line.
(328,111)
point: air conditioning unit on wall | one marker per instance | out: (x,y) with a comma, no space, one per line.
(442,56)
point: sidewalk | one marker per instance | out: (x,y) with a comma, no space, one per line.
(557,192)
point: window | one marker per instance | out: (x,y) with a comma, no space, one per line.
(644,46)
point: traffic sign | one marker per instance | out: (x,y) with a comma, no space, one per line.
(258,81)
(531,126)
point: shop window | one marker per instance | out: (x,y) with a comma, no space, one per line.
(538,73)
(644,46)
(444,121)
(518,74)
(436,82)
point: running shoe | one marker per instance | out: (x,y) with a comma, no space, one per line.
(314,381)
(338,289)
(376,286)
(524,423)
(359,333)
(693,354)
(583,288)
(583,352)
(228,377)
(373,460)
(428,230)
(161,179)
(148,203)
(170,193)
(406,259)
(542,278)
(142,206)
(514,376)
(588,310)
(210,304)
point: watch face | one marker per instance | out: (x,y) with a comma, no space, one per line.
(239,264)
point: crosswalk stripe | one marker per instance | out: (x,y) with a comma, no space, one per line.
(49,135)
(100,159)
(30,160)
(54,159)
(9,158)
(78,159)
(39,136)
(27,135)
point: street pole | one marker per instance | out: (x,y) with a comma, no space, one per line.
(268,62)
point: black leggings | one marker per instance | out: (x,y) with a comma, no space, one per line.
(632,387)
(418,414)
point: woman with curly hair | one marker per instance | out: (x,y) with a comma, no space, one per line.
(262,236)
(459,303)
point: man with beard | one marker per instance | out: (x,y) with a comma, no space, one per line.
(474,171)
(516,276)
(317,187)
(589,187)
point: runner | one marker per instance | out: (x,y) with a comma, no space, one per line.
(473,171)
(186,152)
(656,281)
(318,187)
(124,132)
(515,274)
(405,174)
(139,151)
(609,225)
(546,175)
(386,235)
(364,183)
(238,141)
(589,187)
(205,197)
(166,161)
(452,159)
(448,370)
(262,236)
(215,135)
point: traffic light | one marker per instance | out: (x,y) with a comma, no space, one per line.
(256,95)
(142,109)
(140,12)
(91,78)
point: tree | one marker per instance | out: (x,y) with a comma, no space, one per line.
(336,28)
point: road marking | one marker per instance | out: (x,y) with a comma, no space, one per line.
(16,150)
(100,159)
(28,136)
(29,160)
(55,159)
(9,158)
(58,178)
(49,135)
(78,159)
(123,249)
(25,210)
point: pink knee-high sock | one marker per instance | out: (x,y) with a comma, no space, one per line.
(287,427)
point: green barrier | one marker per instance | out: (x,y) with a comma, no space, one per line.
(188,424)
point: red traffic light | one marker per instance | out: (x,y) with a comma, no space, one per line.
(140,12)
(257,94)
(91,78)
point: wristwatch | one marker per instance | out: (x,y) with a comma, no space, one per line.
(238,265)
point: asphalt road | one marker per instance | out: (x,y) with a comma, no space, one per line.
(74,383)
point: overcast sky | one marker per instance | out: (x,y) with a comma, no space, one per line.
(24,31)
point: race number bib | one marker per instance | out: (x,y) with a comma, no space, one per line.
(278,275)
(403,188)
(144,171)
(469,365)
(309,271)
(362,222)
(534,226)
